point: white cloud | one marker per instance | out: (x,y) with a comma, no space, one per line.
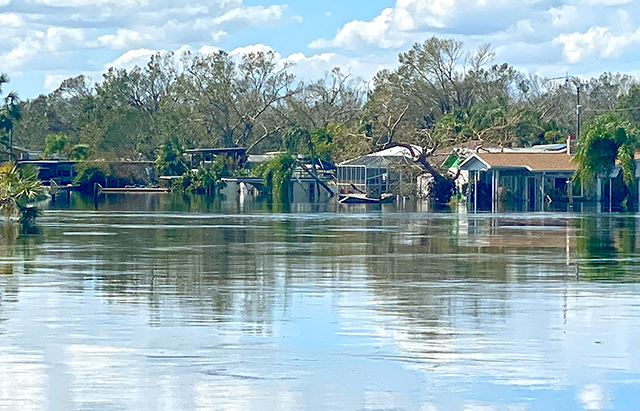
(209,49)
(61,36)
(358,33)
(524,27)
(607,2)
(52,81)
(10,20)
(597,41)
(132,58)
(94,3)
(317,65)
(54,39)
(541,36)
(254,48)
(254,15)
(396,27)
(125,38)
(563,16)
(48,37)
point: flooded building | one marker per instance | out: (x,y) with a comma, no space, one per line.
(374,175)
(61,171)
(312,180)
(526,179)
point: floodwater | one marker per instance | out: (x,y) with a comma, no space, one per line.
(142,303)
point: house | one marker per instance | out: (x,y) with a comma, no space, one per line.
(207,155)
(60,171)
(527,180)
(21,153)
(374,174)
(311,180)
(459,154)
(611,190)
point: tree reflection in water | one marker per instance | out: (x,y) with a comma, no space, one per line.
(454,296)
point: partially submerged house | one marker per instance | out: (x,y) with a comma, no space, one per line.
(522,180)
(61,171)
(312,180)
(374,174)
(526,179)
(535,179)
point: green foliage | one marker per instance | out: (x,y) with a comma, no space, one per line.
(315,143)
(10,113)
(276,174)
(18,187)
(27,220)
(79,152)
(322,146)
(56,143)
(90,174)
(440,94)
(207,179)
(606,139)
(169,159)
(631,101)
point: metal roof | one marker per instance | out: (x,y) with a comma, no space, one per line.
(382,159)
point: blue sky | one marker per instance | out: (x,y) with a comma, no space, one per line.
(44,41)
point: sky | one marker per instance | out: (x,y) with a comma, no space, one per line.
(43,42)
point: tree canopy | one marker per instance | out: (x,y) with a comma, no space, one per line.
(607,139)
(440,94)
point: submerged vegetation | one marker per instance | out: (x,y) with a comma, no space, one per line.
(18,188)
(608,138)
(206,179)
(276,174)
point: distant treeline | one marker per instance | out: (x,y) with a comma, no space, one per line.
(440,94)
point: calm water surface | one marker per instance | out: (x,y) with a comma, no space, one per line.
(142,304)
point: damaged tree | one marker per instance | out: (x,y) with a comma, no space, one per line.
(430,184)
(388,114)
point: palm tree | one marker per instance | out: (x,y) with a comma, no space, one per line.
(19,187)
(276,174)
(9,112)
(608,139)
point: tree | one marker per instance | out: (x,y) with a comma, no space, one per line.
(276,174)
(18,187)
(207,179)
(608,138)
(336,98)
(9,114)
(169,158)
(57,143)
(236,104)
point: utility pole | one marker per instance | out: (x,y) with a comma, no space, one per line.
(578,112)
(578,105)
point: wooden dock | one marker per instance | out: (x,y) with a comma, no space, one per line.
(159,190)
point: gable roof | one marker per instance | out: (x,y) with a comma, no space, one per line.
(546,161)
